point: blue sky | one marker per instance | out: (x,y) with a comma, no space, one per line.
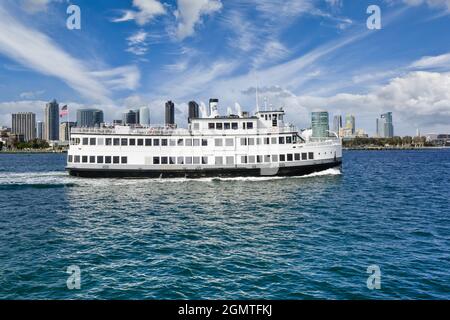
(304,55)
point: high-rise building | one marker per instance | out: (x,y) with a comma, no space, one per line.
(350,124)
(385,127)
(320,124)
(130,117)
(89,118)
(24,123)
(170,113)
(51,122)
(337,124)
(40,130)
(144,116)
(194,111)
(64,130)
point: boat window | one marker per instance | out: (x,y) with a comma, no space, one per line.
(304,156)
(180,160)
(140,142)
(85,141)
(124,160)
(243,159)
(219,161)
(234,125)
(281,140)
(274,141)
(251,141)
(164,142)
(77,159)
(172,142)
(229,142)
(196,142)
(188,160)
(244,125)
(132,142)
(180,142)
(219,126)
(70,158)
(227,126)
(290,157)
(211,125)
(267,158)
(92,159)
(92,141)
(107,159)
(155,160)
(274,158)
(230,160)
(266,140)
(124,141)
(282,157)
(108,141)
(297,156)
(204,142)
(172,160)
(116,141)
(100,141)
(311,155)
(188,143)
(243,141)
(196,160)
(251,159)
(99,159)
(204,160)
(258,141)
(249,125)
(218,142)
(196,126)
(156,142)
(288,139)
(116,160)
(259,159)
(164,160)
(148,142)
(84,159)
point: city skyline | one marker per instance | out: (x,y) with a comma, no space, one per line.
(312,55)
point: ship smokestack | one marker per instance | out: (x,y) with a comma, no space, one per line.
(214,107)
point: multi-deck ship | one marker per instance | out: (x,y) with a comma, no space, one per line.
(212,146)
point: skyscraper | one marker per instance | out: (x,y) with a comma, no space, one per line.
(64,130)
(385,127)
(337,124)
(130,117)
(350,124)
(51,126)
(193,110)
(40,130)
(170,113)
(144,116)
(89,118)
(320,124)
(24,123)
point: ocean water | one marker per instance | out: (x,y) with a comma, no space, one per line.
(256,238)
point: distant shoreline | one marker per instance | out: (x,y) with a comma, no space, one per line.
(392,148)
(32,152)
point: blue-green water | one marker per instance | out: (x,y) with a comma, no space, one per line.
(289,238)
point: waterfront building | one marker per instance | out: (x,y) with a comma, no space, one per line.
(337,124)
(350,125)
(385,127)
(320,124)
(194,111)
(170,113)
(64,130)
(117,122)
(51,122)
(144,116)
(24,123)
(89,118)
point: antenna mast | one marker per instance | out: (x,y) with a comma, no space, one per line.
(257,99)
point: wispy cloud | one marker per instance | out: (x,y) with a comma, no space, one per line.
(146,10)
(137,43)
(38,52)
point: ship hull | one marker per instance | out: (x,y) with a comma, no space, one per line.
(203,173)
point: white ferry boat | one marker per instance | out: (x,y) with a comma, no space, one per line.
(211,146)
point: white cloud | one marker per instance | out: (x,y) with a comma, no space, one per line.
(272,50)
(38,52)
(189,13)
(35,6)
(137,43)
(146,11)
(430,62)
(440,4)
(31,94)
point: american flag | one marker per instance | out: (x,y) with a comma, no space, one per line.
(64,111)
